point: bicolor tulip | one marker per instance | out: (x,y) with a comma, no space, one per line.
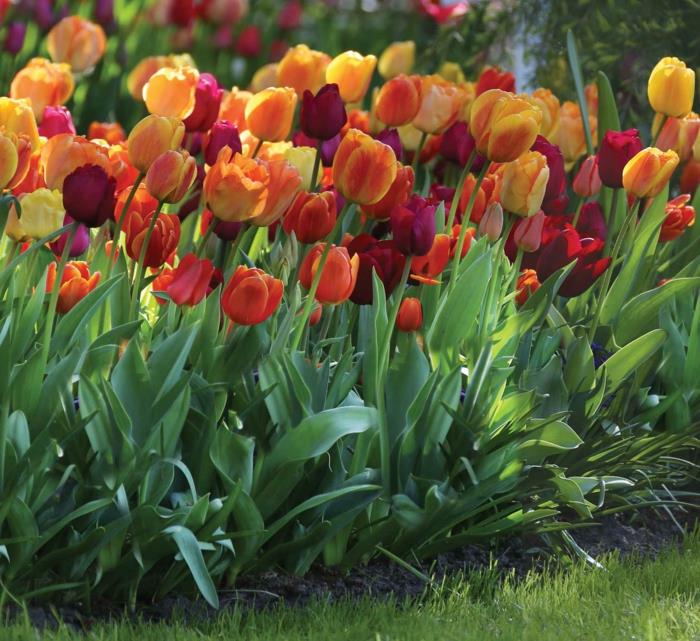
(649,171)
(251,296)
(15,159)
(549,106)
(76,283)
(17,117)
(524,184)
(170,176)
(398,194)
(671,88)
(338,278)
(527,285)
(151,137)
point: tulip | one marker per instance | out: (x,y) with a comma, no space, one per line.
(526,286)
(425,269)
(690,176)
(491,224)
(142,203)
(190,281)
(311,216)
(249,42)
(14,38)
(251,296)
(549,106)
(162,242)
(398,58)
(410,317)
(671,88)
(88,195)
(591,222)
(524,184)
(170,176)
(556,184)
(104,14)
(17,117)
(380,257)
(283,186)
(503,126)
(440,105)
(290,14)
(398,194)
(339,275)
(42,214)
(479,200)
(303,160)
(56,120)
(78,42)
(43,83)
(227,12)
(587,182)
(15,159)
(363,169)
(495,78)
(649,171)
(323,115)
(151,137)
(528,232)
(222,134)
(399,100)
(270,112)
(413,226)
(76,284)
(452,72)
(171,92)
(616,149)
(143,71)
(679,216)
(207,101)
(33,179)
(81,238)
(571,137)
(236,187)
(352,72)
(469,236)
(678,134)
(223,230)
(457,145)
(303,69)
(391,138)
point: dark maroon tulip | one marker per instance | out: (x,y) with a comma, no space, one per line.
(223,134)
(323,115)
(413,226)
(182,12)
(391,138)
(616,148)
(556,185)
(104,13)
(80,243)
(591,222)
(208,96)
(556,206)
(56,120)
(380,256)
(328,149)
(14,38)
(249,43)
(457,145)
(227,231)
(88,195)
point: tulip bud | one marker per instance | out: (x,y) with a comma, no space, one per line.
(42,214)
(397,58)
(302,69)
(207,100)
(587,182)
(251,296)
(81,238)
(88,195)
(410,317)
(170,176)
(649,171)
(528,232)
(151,137)
(399,100)
(671,87)
(222,134)
(270,112)
(352,72)
(14,38)
(338,277)
(323,115)
(491,224)
(56,120)
(616,149)
(171,92)
(527,285)
(311,216)
(413,226)
(524,183)
(190,281)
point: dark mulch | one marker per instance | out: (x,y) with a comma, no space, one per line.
(644,535)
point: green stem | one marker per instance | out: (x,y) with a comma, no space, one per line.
(120,223)
(416,157)
(459,190)
(577,215)
(393,315)
(207,235)
(257,148)
(138,276)
(317,165)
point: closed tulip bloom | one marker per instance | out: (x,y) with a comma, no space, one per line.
(163,241)
(56,120)
(556,184)
(363,168)
(303,69)
(283,186)
(76,284)
(269,113)
(42,214)
(491,224)
(376,256)
(679,216)
(452,72)
(81,238)
(495,78)
(425,269)
(413,226)
(398,194)
(524,184)
(151,137)
(323,115)
(410,316)
(671,87)
(571,137)
(311,216)
(690,176)
(43,83)
(142,203)
(302,159)
(64,153)
(339,275)
(398,58)
(146,67)
(528,232)
(648,172)
(549,105)
(678,134)
(440,105)
(222,134)
(352,72)
(226,12)
(171,92)
(526,286)
(457,145)
(399,100)
(78,42)
(503,126)
(14,38)
(88,195)
(236,187)
(190,280)
(170,176)
(15,158)
(616,149)
(207,101)
(587,181)
(251,296)
(17,117)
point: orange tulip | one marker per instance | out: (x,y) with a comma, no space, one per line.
(469,237)
(441,103)
(236,188)
(251,296)
(142,204)
(233,107)
(171,92)
(43,83)
(311,216)
(17,117)
(264,78)
(410,317)
(352,72)
(34,178)
(124,172)
(338,277)
(64,153)
(151,137)
(678,134)
(648,172)
(690,176)
(398,194)
(284,185)
(398,100)
(570,135)
(363,168)
(171,175)
(302,69)
(425,269)
(549,105)
(503,126)
(163,241)
(78,42)
(524,184)
(15,159)
(527,284)
(76,284)
(112,132)
(679,216)
(143,71)
(270,112)
(480,200)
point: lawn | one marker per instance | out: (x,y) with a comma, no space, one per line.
(630,599)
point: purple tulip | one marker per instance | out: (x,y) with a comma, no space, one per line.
(413,226)
(207,102)
(80,243)
(323,115)
(223,134)
(391,138)
(56,120)
(88,195)
(14,39)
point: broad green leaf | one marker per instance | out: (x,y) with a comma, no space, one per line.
(626,360)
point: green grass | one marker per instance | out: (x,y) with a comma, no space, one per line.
(629,600)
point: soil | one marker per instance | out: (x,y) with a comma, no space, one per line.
(645,536)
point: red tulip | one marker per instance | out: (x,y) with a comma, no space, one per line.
(190,283)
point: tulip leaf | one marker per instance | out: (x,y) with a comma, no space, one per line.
(575,65)
(641,313)
(626,361)
(608,118)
